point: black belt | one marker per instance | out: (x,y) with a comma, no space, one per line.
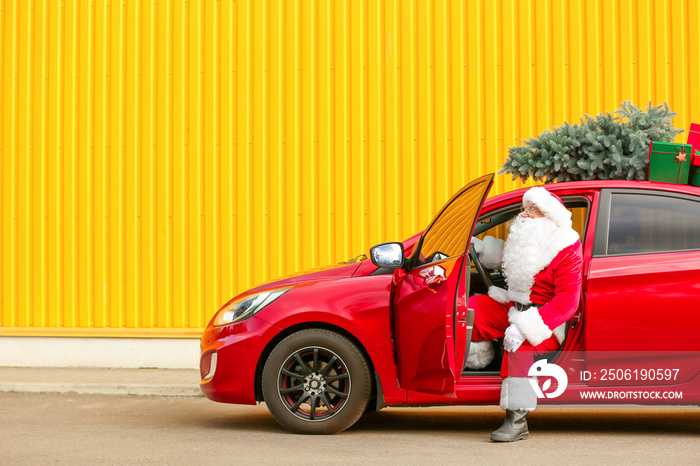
(521,307)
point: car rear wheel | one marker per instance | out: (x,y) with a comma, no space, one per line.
(316,382)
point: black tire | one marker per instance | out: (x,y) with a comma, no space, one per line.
(316,382)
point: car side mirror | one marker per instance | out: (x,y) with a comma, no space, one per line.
(388,255)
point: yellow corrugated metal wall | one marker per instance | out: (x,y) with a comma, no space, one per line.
(158,157)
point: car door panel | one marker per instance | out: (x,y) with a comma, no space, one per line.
(636,301)
(426,363)
(642,301)
(429,297)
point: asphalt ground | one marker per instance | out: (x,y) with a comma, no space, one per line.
(92,416)
(108,429)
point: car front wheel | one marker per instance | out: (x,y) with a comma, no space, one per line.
(316,382)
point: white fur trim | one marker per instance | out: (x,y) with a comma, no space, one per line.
(513,313)
(517,394)
(478,244)
(532,326)
(548,205)
(498,294)
(492,254)
(560,332)
(480,354)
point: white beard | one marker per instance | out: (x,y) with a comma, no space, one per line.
(531,246)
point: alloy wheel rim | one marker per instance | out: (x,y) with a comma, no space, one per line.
(314,384)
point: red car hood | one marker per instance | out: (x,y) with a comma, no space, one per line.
(316,274)
(331,272)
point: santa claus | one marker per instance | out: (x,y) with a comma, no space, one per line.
(542,262)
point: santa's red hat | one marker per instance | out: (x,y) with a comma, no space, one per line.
(549,204)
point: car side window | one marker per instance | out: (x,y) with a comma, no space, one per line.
(641,224)
(497,226)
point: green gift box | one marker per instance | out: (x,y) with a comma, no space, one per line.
(669,162)
(694,176)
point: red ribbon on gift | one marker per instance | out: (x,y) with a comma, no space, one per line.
(680,158)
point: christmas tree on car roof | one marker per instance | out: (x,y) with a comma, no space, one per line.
(605,147)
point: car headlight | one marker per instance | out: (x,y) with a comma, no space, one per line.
(246,307)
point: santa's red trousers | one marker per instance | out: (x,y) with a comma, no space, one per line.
(491,322)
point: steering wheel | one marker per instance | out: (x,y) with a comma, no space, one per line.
(483,273)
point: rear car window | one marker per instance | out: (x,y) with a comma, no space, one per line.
(642,224)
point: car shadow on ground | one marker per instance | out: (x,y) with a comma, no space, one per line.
(254,420)
(483,419)
(675,421)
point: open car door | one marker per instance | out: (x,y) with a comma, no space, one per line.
(431,294)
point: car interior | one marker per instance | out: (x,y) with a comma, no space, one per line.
(496,225)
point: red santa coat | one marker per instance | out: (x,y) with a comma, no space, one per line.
(557,288)
(555,293)
(544,290)
(545,273)
(542,269)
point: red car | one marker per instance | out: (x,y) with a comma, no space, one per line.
(322,348)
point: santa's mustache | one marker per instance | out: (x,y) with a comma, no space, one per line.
(524,227)
(520,220)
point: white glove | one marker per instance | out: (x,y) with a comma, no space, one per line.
(478,245)
(513,339)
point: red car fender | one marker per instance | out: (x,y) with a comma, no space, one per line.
(357,307)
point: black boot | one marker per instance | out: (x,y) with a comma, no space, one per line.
(513,428)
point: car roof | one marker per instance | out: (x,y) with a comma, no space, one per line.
(573,187)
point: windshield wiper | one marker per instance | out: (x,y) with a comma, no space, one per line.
(360,258)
